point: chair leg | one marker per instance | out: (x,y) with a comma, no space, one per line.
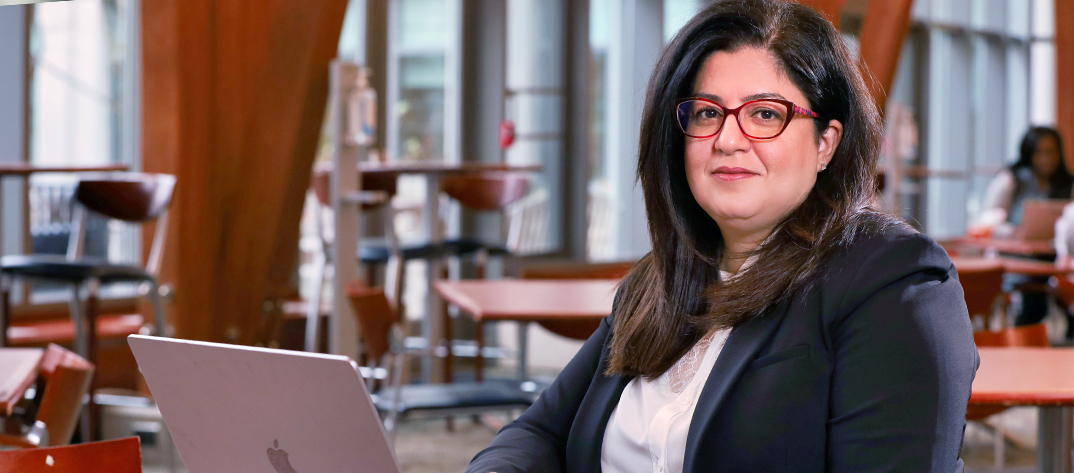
(479,360)
(313,311)
(5,308)
(397,387)
(92,412)
(160,327)
(1000,443)
(78,319)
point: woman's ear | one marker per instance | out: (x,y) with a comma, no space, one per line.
(828,142)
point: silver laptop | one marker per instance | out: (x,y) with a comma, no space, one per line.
(1039,217)
(256,410)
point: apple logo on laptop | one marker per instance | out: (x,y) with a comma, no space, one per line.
(278,458)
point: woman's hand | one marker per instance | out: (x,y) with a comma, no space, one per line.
(1065,263)
(980,231)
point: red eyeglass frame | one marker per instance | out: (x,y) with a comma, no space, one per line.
(734,111)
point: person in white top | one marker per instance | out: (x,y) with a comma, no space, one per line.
(1039,173)
(779,323)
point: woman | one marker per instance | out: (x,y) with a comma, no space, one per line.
(779,324)
(1040,173)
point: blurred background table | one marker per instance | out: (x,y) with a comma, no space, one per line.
(1042,377)
(18,370)
(525,301)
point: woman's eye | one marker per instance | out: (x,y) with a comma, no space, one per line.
(767,114)
(708,113)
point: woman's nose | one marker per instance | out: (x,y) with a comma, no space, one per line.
(730,137)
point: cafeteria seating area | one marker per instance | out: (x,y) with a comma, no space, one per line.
(445,192)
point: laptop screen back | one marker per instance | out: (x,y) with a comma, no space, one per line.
(256,410)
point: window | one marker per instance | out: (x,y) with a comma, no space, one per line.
(974,76)
(84,112)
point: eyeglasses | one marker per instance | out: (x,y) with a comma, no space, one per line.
(758,119)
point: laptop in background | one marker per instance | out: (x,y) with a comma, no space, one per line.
(1038,219)
(256,410)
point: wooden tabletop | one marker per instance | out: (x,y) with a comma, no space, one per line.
(18,370)
(441,167)
(1022,266)
(531,299)
(1011,246)
(25,169)
(1023,376)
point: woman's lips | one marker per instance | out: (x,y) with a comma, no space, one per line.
(732,174)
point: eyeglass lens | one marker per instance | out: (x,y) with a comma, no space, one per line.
(758,119)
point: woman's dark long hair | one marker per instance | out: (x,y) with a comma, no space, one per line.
(1059,183)
(673,296)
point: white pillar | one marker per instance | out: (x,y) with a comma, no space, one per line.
(635,46)
(13,116)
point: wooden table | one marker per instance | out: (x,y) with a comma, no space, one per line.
(433,172)
(18,370)
(26,169)
(1042,377)
(1012,246)
(1026,267)
(525,301)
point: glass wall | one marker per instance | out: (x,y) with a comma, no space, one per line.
(84,112)
(973,77)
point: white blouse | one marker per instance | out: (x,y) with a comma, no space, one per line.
(647,430)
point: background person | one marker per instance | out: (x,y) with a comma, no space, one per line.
(1039,173)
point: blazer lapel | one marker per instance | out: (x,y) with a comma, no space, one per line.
(742,344)
(593,414)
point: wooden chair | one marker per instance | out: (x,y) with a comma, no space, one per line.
(578,330)
(66,379)
(982,283)
(488,192)
(111,456)
(1035,335)
(382,338)
(378,188)
(129,197)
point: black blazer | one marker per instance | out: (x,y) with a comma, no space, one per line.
(869,370)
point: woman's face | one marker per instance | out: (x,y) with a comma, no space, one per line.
(748,186)
(1046,157)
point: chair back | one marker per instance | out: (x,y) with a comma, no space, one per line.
(321,183)
(1035,335)
(982,284)
(131,197)
(67,380)
(486,191)
(574,329)
(111,456)
(575,270)
(375,317)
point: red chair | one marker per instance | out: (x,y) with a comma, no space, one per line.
(982,283)
(112,456)
(487,192)
(67,380)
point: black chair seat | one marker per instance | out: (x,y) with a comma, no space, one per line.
(454,396)
(58,268)
(375,252)
(467,246)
